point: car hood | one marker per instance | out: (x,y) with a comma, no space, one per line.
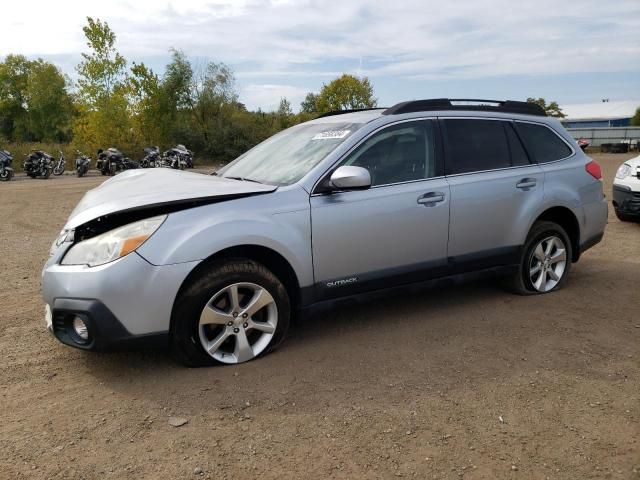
(633,162)
(152,188)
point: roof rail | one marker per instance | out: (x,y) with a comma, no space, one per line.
(340,112)
(504,106)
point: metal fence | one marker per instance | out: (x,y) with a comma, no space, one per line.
(598,136)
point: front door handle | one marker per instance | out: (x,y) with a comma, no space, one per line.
(526,183)
(431,198)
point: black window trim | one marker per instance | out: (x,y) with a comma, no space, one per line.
(518,139)
(438,152)
(571,149)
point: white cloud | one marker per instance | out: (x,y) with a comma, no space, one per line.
(267,40)
(267,96)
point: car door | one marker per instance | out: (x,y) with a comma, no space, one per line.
(392,233)
(495,187)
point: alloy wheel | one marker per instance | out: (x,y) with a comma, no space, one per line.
(238,322)
(548,263)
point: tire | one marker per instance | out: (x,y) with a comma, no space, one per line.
(47,173)
(524,282)
(58,171)
(625,217)
(6,176)
(214,287)
(80,171)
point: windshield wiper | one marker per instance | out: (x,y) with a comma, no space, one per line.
(243,179)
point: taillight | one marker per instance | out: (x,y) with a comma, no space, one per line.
(593,169)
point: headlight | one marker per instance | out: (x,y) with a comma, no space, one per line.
(66,236)
(623,171)
(113,244)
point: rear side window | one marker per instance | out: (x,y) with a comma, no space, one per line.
(476,145)
(542,143)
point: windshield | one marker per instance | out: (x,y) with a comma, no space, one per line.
(288,156)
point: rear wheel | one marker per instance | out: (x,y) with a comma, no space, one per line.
(47,173)
(232,313)
(545,262)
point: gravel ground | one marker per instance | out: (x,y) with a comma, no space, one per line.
(461,382)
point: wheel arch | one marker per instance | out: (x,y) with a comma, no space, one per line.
(268,257)
(564,217)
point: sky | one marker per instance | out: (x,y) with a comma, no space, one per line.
(568,51)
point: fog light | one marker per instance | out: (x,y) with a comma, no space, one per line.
(80,328)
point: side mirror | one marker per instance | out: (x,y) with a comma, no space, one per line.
(351,178)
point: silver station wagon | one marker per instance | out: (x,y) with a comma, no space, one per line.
(352,203)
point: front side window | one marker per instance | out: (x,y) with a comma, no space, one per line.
(542,143)
(288,156)
(400,153)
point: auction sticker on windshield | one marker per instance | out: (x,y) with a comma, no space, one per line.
(331,135)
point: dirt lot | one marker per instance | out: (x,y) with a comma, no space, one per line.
(466,382)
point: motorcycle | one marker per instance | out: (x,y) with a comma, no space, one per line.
(112,161)
(60,165)
(83,163)
(186,154)
(151,157)
(176,158)
(6,172)
(38,164)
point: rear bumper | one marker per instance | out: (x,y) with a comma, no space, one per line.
(106,332)
(626,200)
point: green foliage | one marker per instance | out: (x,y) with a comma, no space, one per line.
(552,109)
(635,120)
(345,93)
(34,102)
(104,117)
(308,105)
(102,71)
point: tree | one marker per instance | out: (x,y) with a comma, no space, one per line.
(102,71)
(552,109)
(14,77)
(345,93)
(34,102)
(144,90)
(635,120)
(308,105)
(50,106)
(104,115)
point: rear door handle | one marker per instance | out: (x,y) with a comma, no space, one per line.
(431,198)
(526,183)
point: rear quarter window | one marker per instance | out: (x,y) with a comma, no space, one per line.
(542,143)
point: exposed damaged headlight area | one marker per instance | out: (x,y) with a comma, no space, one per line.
(113,244)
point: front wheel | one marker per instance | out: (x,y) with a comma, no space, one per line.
(6,175)
(58,170)
(234,312)
(545,262)
(47,173)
